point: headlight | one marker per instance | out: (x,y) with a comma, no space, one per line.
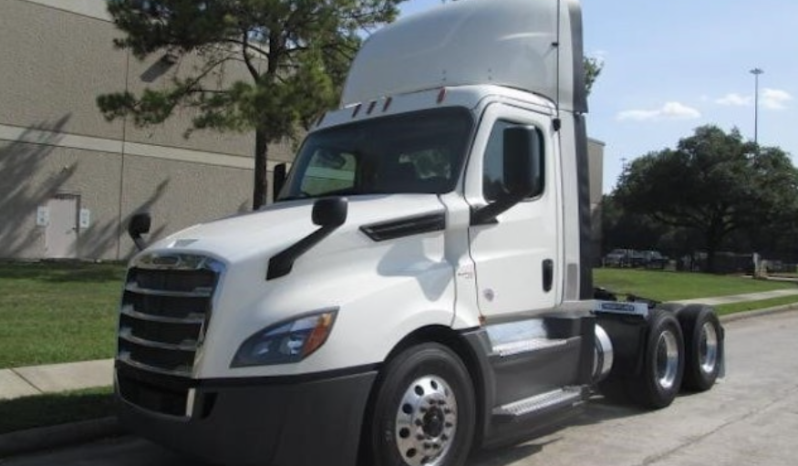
(286,342)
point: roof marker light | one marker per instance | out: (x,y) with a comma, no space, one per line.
(387,104)
(356,111)
(441,95)
(371,107)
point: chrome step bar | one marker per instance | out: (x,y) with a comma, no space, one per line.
(527,346)
(560,398)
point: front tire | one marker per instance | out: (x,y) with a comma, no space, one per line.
(424,410)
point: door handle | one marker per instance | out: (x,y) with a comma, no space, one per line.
(548,274)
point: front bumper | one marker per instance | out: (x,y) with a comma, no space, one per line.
(284,421)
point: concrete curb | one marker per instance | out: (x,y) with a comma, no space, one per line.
(759,312)
(44,438)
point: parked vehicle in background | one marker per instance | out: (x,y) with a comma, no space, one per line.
(617,258)
(654,260)
(635,259)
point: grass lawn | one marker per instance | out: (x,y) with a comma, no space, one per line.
(57,312)
(53,409)
(670,286)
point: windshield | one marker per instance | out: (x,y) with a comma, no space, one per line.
(418,152)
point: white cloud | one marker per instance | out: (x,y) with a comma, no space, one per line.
(735,100)
(669,111)
(775,99)
(600,55)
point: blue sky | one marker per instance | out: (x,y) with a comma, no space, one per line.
(672,66)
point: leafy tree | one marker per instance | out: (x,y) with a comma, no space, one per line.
(296,53)
(713,182)
(621,229)
(593,68)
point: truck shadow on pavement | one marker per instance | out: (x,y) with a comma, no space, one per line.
(596,411)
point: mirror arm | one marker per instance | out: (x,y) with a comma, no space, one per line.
(329,214)
(278,180)
(282,263)
(487,214)
(138,241)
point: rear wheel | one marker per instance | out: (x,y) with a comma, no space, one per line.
(424,410)
(663,365)
(703,347)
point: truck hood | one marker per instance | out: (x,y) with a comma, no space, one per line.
(270,230)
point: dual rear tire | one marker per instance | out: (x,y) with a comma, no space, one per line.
(682,349)
(663,363)
(703,347)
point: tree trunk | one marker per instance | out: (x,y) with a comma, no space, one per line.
(714,237)
(261,181)
(711,268)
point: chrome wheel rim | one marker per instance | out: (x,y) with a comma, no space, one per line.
(667,359)
(426,422)
(708,348)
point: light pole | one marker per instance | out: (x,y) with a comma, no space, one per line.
(756,72)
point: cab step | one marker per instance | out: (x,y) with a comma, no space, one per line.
(528,346)
(539,404)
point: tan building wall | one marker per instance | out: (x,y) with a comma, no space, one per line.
(595,154)
(56,57)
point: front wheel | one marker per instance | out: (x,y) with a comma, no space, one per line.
(424,410)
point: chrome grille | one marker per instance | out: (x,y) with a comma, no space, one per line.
(166,307)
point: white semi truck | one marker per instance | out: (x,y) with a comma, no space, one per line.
(422,284)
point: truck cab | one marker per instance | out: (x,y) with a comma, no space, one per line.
(420,286)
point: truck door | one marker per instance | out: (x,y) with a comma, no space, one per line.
(517,259)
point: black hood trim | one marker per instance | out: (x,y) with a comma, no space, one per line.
(407,226)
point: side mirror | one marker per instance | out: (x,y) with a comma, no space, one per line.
(330,211)
(523,172)
(523,161)
(139,225)
(278,179)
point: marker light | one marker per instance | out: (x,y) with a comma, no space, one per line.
(441,95)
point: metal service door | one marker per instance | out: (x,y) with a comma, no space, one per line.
(517,259)
(61,236)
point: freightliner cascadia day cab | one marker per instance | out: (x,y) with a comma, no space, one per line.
(422,286)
